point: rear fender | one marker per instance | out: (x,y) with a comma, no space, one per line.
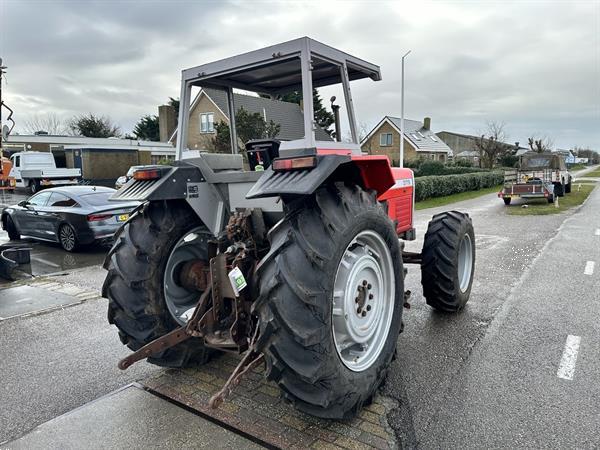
(372,172)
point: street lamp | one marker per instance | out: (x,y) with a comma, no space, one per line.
(402,115)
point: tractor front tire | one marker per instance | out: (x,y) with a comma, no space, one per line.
(448,261)
(507,200)
(134,285)
(320,297)
(568,186)
(559,189)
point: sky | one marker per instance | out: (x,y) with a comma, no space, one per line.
(532,65)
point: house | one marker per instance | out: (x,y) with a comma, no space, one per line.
(102,160)
(468,155)
(210,107)
(419,141)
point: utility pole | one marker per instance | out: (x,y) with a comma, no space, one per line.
(402,115)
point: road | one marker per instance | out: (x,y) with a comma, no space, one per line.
(485,377)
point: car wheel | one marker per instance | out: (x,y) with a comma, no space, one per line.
(11,229)
(67,238)
(34,186)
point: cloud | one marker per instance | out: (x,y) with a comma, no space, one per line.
(533,65)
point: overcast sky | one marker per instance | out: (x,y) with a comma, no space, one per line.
(533,65)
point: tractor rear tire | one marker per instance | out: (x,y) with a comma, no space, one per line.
(448,261)
(302,306)
(568,186)
(134,284)
(507,200)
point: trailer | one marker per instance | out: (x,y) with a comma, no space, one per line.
(539,175)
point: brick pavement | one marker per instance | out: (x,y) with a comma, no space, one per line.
(256,408)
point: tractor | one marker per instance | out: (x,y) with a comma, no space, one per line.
(288,253)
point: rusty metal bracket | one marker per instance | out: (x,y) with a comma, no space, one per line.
(170,339)
(250,360)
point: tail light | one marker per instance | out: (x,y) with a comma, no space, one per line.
(307,162)
(98,217)
(149,174)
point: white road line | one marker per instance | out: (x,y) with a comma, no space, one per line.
(26,299)
(566,370)
(589,268)
(48,263)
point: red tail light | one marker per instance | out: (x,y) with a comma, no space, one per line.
(98,217)
(147,174)
(307,162)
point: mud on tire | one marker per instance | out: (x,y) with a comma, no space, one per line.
(446,285)
(134,284)
(296,297)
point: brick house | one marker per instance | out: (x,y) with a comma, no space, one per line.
(210,107)
(419,141)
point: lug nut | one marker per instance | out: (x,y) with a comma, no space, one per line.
(369,286)
(368,307)
(364,313)
(356,300)
(370,296)
(365,282)
(358,311)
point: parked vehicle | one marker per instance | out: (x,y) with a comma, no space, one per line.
(540,175)
(37,170)
(72,216)
(122,180)
(7,182)
(297,262)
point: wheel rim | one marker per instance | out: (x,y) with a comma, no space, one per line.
(363,301)
(181,301)
(465,262)
(67,237)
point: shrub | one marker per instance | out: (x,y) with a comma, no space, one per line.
(431,168)
(462,162)
(442,185)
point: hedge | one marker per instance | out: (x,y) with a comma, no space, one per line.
(442,185)
(437,168)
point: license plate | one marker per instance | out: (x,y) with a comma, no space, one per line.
(122,217)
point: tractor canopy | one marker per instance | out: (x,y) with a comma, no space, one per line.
(546,160)
(298,65)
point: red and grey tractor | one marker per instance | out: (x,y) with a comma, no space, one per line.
(299,266)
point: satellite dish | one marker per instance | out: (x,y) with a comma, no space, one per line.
(5,128)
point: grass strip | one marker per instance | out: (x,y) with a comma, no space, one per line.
(441,201)
(541,207)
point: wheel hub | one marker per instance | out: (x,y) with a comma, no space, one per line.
(184,277)
(363,301)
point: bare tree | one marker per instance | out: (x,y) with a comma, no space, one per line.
(49,123)
(543,144)
(491,145)
(363,131)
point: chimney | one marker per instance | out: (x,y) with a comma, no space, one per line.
(167,122)
(427,123)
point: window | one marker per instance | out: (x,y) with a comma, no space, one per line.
(97,198)
(61,201)
(433,138)
(385,139)
(39,199)
(421,134)
(432,156)
(160,159)
(415,137)
(17,161)
(207,123)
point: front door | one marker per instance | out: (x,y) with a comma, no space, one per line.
(30,222)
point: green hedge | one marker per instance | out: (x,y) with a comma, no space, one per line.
(439,186)
(437,168)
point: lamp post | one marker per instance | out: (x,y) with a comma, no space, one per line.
(402,115)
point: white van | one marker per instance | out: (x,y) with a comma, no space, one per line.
(35,170)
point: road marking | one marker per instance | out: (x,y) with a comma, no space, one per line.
(589,268)
(566,370)
(597,233)
(48,263)
(26,299)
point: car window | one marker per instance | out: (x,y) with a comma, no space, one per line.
(97,198)
(39,199)
(61,201)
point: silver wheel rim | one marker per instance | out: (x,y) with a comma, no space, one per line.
(67,237)
(363,301)
(181,301)
(465,262)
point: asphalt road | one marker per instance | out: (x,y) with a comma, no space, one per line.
(486,377)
